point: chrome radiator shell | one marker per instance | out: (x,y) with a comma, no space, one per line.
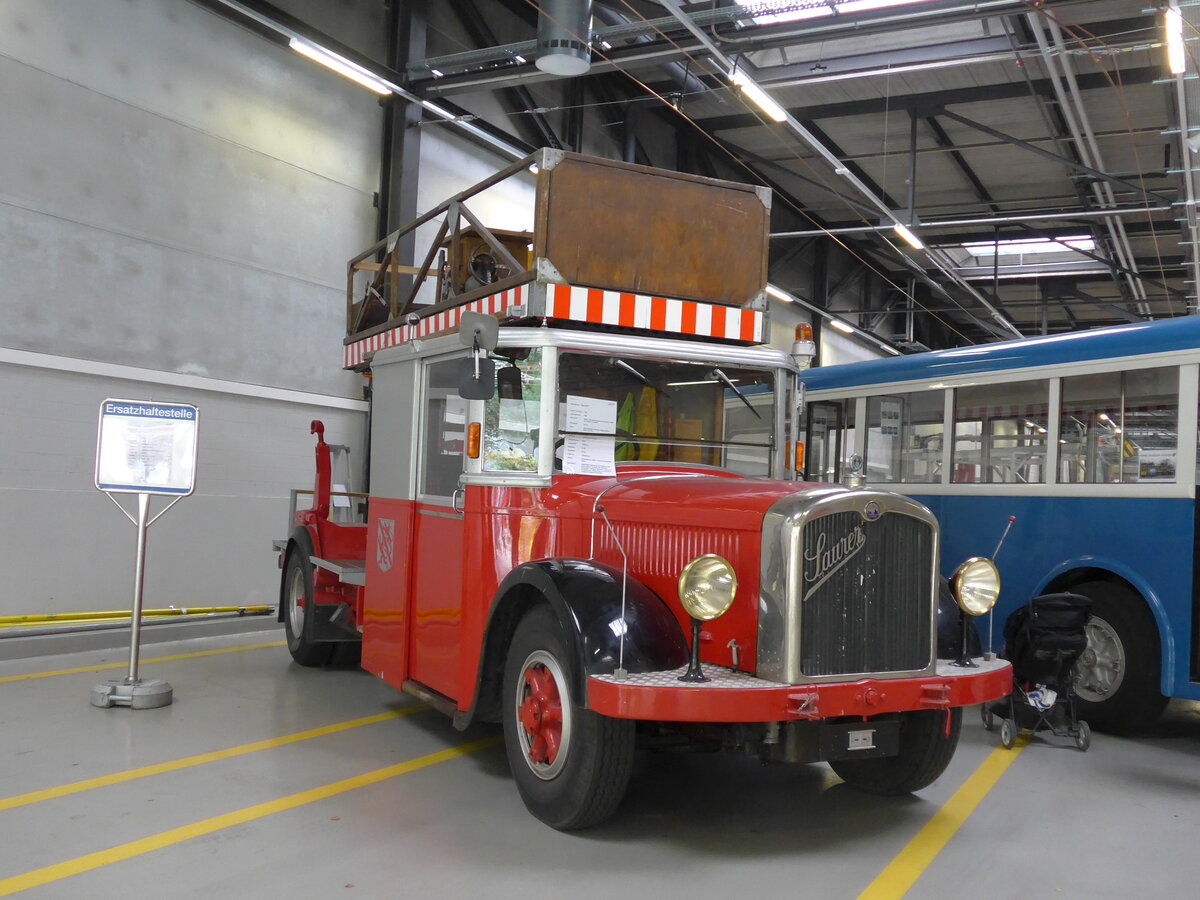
(867,593)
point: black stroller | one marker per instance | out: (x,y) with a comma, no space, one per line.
(1043,641)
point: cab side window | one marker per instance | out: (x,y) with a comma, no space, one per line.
(444,421)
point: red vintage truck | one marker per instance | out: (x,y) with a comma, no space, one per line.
(584,520)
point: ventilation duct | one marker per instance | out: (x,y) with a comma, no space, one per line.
(564,37)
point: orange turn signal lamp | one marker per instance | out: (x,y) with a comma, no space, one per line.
(473,440)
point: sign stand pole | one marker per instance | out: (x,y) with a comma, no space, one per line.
(143,447)
(132,691)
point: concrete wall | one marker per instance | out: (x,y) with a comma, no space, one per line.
(178,198)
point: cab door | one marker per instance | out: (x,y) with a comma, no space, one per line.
(435,632)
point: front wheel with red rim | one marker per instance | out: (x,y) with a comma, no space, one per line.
(570,764)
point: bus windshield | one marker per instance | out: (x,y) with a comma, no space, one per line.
(678,412)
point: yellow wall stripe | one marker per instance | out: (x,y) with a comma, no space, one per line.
(189,761)
(121,852)
(903,871)
(125,665)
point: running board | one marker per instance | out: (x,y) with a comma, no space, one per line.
(440,702)
(348,571)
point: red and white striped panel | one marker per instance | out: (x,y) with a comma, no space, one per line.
(653,313)
(354,354)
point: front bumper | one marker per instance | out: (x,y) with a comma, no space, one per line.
(732,696)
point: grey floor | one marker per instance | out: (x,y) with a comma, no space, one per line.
(1120,821)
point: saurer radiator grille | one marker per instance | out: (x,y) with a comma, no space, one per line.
(866,595)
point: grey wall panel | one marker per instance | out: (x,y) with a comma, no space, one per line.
(177,193)
(97,294)
(185,65)
(66,548)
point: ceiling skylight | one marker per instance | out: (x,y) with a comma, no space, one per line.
(1030,246)
(771,11)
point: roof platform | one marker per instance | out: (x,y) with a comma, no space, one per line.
(614,245)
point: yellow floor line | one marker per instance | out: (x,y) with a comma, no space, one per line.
(48,874)
(903,871)
(186,762)
(125,665)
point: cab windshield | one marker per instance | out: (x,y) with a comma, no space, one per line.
(671,412)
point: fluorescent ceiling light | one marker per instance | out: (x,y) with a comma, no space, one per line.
(779,295)
(909,238)
(1176,56)
(841,326)
(1030,246)
(342,66)
(757,95)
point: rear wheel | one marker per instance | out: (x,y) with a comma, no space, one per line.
(570,764)
(926,746)
(298,612)
(1117,677)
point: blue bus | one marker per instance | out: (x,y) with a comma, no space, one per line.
(1089,440)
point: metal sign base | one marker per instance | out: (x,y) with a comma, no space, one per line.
(139,694)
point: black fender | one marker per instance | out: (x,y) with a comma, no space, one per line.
(586,597)
(949,626)
(300,541)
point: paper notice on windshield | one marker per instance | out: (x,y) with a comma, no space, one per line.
(592,416)
(584,454)
(587,455)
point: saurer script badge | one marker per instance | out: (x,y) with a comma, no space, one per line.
(822,560)
(385,544)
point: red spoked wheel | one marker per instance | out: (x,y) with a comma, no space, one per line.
(570,764)
(545,719)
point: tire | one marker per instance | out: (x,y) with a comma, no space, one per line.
(1008,733)
(925,751)
(1117,678)
(989,720)
(1083,738)
(297,600)
(571,765)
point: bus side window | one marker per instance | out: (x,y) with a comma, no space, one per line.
(828,435)
(1119,427)
(1000,432)
(904,437)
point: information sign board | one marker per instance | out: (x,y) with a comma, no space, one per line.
(146,447)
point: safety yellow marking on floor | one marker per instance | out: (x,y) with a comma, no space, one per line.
(125,665)
(58,871)
(175,765)
(903,871)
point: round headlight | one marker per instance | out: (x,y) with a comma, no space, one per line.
(976,586)
(707,586)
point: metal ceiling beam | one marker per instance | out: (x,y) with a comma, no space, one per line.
(678,47)
(887,209)
(1061,160)
(516,99)
(1014,218)
(943,140)
(934,100)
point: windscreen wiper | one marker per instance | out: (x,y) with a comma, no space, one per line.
(724,379)
(626,367)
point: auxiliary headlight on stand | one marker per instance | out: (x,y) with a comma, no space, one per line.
(976,587)
(706,590)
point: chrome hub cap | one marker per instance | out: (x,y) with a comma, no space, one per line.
(1101,668)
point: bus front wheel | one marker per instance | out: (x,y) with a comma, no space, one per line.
(1117,677)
